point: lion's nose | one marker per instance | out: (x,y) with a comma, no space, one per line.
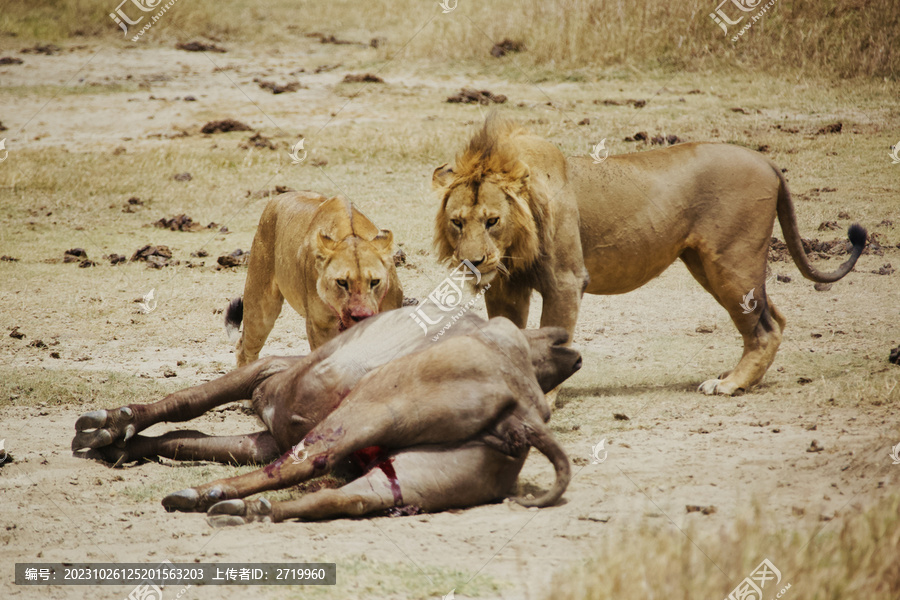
(476,263)
(360,314)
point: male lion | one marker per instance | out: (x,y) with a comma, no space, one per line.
(325,258)
(512,200)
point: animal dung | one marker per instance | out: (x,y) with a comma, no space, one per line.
(485,97)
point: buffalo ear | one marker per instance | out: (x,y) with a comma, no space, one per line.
(442,177)
(324,245)
(384,242)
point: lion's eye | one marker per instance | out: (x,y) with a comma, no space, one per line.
(456,223)
(342,283)
(491,222)
(374,282)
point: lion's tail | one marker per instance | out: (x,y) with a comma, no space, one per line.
(540,437)
(234,314)
(788,221)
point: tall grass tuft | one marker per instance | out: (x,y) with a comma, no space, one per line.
(852,558)
(847,38)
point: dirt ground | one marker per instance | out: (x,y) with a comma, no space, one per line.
(94,125)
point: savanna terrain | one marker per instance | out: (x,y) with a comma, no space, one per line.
(105,139)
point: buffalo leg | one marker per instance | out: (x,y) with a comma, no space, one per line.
(430,479)
(252,449)
(100,428)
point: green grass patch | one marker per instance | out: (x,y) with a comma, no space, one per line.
(31,386)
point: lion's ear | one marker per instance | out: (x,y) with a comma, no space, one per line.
(384,241)
(325,245)
(520,174)
(442,177)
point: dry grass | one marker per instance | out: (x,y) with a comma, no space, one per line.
(845,37)
(369,577)
(854,558)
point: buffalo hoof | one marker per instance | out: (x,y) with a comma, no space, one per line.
(100,428)
(113,455)
(183,500)
(193,499)
(239,512)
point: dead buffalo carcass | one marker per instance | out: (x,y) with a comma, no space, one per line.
(439,424)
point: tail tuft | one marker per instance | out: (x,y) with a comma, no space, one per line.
(234,314)
(858,235)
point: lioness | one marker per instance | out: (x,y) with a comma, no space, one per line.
(511,202)
(323,256)
(439,425)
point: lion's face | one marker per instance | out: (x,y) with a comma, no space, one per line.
(354,275)
(488,223)
(475,224)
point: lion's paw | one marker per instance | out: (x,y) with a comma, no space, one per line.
(709,386)
(722,387)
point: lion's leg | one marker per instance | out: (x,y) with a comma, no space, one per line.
(262,305)
(510,301)
(758,321)
(316,335)
(513,302)
(562,301)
